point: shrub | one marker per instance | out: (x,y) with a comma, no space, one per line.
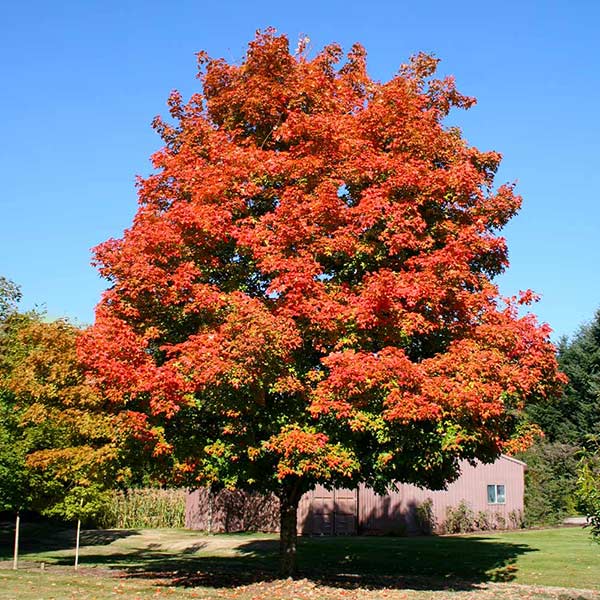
(460,519)
(516,519)
(425,517)
(483,521)
(499,521)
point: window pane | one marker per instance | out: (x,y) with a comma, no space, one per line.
(491,494)
(500,496)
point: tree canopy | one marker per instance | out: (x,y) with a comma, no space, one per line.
(306,292)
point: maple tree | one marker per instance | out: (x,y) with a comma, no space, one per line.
(306,293)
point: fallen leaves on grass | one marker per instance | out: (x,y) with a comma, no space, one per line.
(303,589)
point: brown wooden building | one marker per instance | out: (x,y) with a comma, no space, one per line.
(493,492)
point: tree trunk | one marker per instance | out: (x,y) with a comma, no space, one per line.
(288,506)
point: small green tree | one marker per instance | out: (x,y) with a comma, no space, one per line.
(588,490)
(10,295)
(15,477)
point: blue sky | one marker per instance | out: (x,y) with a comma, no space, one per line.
(81,82)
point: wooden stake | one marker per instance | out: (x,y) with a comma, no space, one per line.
(77,541)
(77,544)
(16,554)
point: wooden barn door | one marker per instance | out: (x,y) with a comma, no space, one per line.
(333,512)
(322,509)
(346,513)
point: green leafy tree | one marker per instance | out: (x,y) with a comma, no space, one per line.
(550,482)
(555,483)
(10,294)
(15,477)
(588,490)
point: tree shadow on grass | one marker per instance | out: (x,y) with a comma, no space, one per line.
(432,563)
(419,562)
(453,562)
(47,536)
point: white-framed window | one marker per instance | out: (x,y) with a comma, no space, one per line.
(496,494)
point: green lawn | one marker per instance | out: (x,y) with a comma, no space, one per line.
(182,564)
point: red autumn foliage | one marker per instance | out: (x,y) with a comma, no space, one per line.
(307,285)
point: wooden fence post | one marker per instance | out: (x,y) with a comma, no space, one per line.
(16,552)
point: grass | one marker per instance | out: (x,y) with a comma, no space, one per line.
(183,564)
(557,557)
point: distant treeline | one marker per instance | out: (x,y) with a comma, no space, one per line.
(570,426)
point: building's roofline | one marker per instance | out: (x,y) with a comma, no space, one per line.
(513,459)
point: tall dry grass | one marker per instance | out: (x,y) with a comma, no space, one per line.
(145,508)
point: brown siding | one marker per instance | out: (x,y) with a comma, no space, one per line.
(344,512)
(397,510)
(231,511)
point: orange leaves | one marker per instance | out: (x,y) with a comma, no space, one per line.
(120,365)
(251,347)
(523,438)
(304,452)
(316,249)
(48,368)
(386,382)
(468,382)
